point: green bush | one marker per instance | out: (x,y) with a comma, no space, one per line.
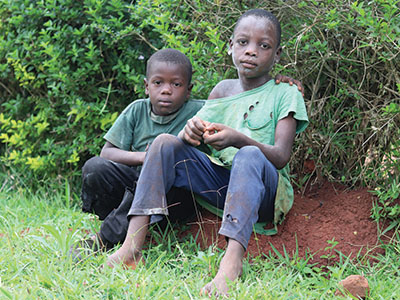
(67,68)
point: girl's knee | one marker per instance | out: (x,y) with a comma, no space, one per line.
(166,140)
(249,154)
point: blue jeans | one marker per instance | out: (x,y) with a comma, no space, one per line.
(246,193)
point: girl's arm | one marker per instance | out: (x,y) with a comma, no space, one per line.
(220,136)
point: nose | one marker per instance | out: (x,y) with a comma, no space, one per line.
(166,89)
(251,49)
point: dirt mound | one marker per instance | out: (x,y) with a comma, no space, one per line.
(325,213)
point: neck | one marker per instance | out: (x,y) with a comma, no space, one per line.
(252,83)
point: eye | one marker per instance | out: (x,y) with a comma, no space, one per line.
(177,84)
(264,46)
(242,42)
(157,82)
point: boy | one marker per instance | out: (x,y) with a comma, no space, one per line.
(109,180)
(249,127)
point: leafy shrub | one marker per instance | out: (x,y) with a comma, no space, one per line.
(67,68)
(347,56)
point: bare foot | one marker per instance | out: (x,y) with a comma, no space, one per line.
(219,285)
(130,253)
(124,257)
(229,270)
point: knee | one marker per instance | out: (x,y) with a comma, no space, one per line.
(94,165)
(249,155)
(165,141)
(249,158)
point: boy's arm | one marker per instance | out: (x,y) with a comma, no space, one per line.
(220,137)
(193,131)
(118,155)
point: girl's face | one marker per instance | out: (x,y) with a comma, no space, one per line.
(254,47)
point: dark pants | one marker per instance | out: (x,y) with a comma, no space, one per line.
(107,191)
(246,192)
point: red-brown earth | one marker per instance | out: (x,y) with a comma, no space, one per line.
(326,212)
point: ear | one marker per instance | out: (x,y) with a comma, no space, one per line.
(189,91)
(278,55)
(146,85)
(230,46)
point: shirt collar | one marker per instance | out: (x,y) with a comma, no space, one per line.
(162,119)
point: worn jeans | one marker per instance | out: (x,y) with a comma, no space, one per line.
(246,193)
(107,191)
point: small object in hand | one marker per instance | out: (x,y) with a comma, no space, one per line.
(207,133)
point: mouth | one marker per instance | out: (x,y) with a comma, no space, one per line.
(248,64)
(164,102)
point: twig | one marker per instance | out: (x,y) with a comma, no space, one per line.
(6,88)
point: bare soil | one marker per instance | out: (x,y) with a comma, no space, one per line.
(328,212)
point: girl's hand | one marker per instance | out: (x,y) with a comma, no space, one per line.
(193,131)
(220,136)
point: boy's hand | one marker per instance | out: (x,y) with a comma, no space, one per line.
(193,131)
(286,79)
(219,136)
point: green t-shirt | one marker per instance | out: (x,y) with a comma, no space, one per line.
(256,114)
(137,126)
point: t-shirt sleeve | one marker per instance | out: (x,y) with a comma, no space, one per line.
(121,132)
(291,101)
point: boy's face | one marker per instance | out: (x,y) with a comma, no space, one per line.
(254,47)
(168,87)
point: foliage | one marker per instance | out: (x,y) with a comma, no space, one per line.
(387,174)
(347,54)
(67,68)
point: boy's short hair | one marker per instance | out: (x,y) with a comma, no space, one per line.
(170,56)
(261,13)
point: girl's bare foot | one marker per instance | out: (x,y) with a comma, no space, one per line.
(219,285)
(229,270)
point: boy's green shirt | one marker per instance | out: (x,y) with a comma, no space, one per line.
(137,127)
(256,114)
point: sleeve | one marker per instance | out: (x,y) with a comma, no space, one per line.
(121,132)
(291,101)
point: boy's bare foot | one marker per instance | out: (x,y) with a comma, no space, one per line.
(229,270)
(88,246)
(124,257)
(130,253)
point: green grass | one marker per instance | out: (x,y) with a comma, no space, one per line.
(36,231)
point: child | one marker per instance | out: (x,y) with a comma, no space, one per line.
(106,178)
(249,128)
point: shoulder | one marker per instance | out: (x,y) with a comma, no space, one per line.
(225,88)
(139,102)
(195,102)
(284,92)
(137,105)
(284,87)
(191,107)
